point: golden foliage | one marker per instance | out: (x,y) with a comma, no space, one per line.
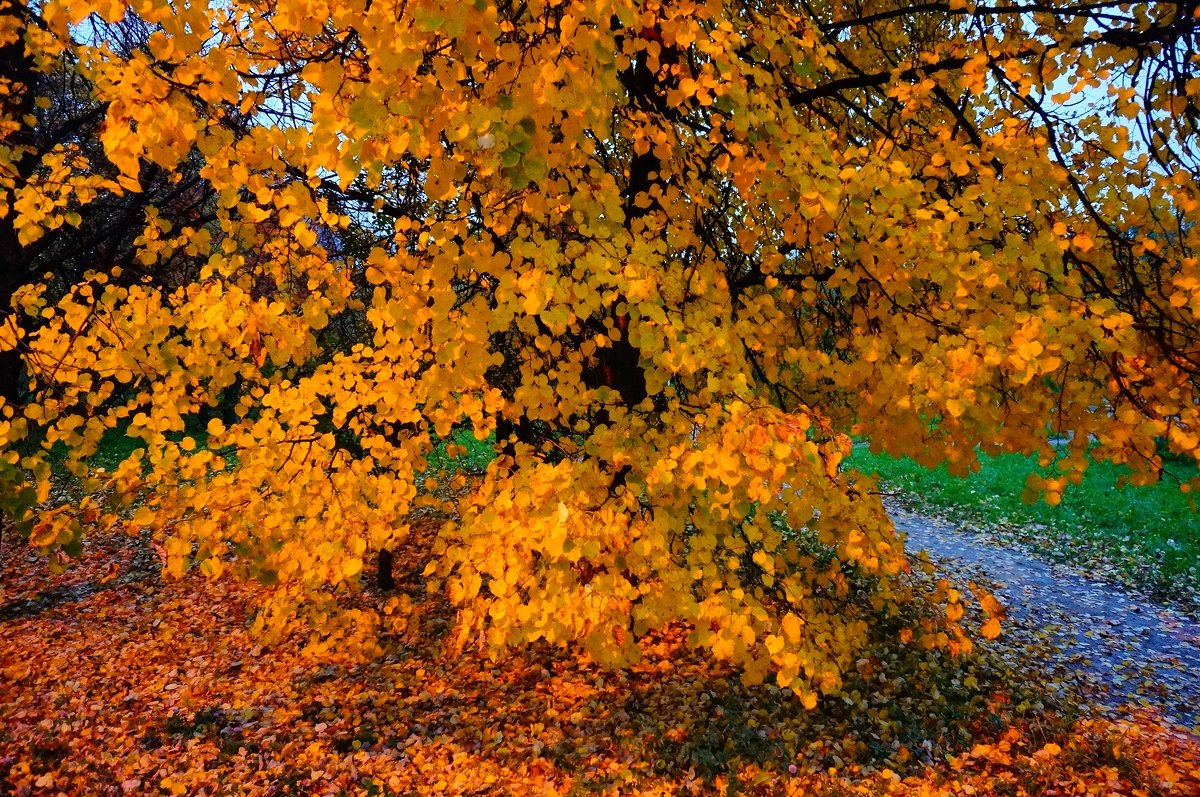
(665,257)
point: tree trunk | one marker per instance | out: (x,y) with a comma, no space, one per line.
(385,579)
(16,103)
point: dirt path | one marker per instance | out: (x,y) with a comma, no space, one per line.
(1112,647)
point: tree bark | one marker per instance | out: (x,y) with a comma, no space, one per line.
(385,579)
(18,72)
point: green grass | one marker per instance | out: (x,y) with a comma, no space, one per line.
(1147,537)
(474,459)
(115,447)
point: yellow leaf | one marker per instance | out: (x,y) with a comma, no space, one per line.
(991,629)
(990,604)
(792,626)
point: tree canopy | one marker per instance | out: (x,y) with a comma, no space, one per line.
(665,259)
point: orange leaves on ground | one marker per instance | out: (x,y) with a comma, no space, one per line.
(133,685)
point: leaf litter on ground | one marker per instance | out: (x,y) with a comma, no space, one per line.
(115,682)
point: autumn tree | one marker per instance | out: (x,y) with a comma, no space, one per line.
(70,210)
(665,257)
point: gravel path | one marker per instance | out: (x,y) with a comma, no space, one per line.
(1113,647)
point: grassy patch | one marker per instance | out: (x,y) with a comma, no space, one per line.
(461,452)
(1147,537)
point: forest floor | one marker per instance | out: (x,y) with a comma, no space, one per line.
(113,681)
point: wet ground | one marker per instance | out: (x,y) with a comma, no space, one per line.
(1105,645)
